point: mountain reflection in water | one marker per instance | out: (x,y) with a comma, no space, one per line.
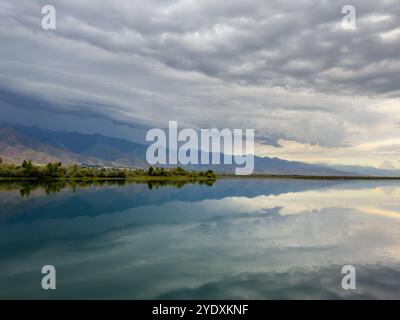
(239,238)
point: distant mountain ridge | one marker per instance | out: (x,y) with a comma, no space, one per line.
(16,147)
(18,143)
(78,142)
(366,171)
(42,146)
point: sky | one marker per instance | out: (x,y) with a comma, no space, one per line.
(312,90)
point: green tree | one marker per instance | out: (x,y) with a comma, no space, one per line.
(55,169)
(27,167)
(75,170)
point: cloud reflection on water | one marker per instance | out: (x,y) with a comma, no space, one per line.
(272,245)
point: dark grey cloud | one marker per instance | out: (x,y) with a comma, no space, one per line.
(41,113)
(285,68)
(266,43)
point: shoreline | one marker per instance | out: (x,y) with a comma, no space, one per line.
(304,177)
(195,179)
(90,179)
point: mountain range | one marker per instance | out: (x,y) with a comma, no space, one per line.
(18,143)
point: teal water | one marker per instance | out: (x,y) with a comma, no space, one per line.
(236,239)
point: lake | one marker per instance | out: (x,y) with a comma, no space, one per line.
(236,239)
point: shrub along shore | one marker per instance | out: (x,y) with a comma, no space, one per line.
(56,171)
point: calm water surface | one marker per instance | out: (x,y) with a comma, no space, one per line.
(239,238)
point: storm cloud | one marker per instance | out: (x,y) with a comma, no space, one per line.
(287,69)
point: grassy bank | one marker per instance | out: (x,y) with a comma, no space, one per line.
(56,171)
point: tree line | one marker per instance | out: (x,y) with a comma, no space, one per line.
(58,171)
